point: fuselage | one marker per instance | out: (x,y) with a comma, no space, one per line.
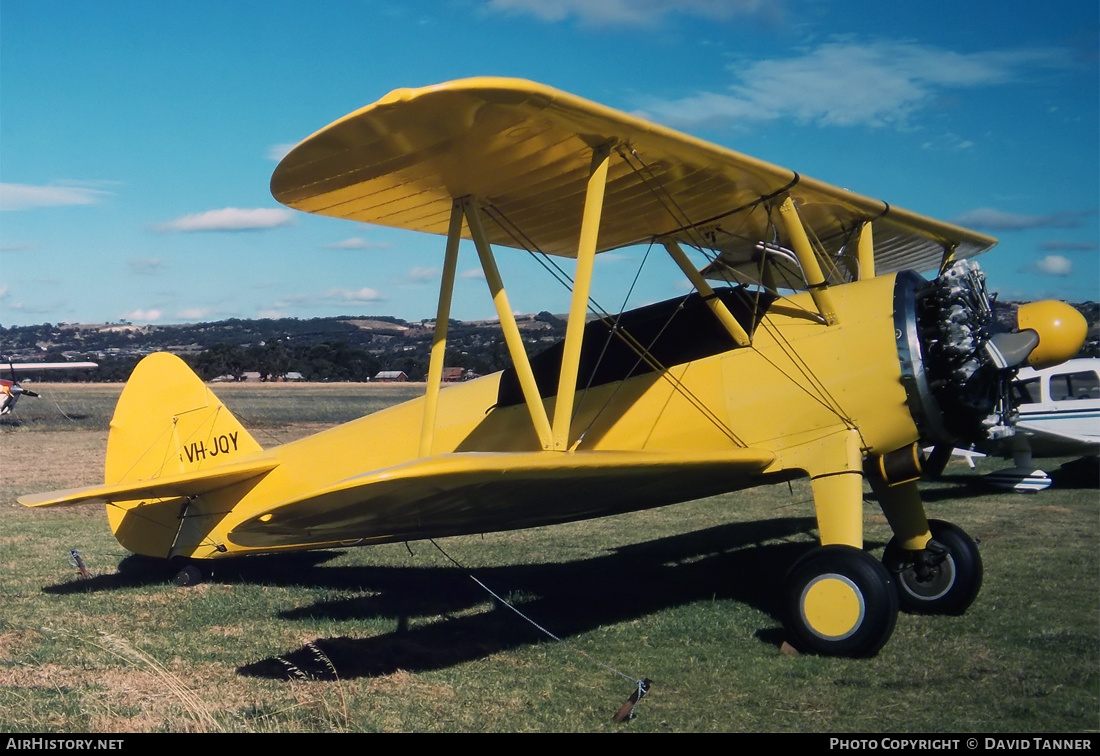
(798,387)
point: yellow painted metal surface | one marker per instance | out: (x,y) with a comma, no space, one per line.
(539,418)
(904,511)
(1062,328)
(832,606)
(807,258)
(578,306)
(439,337)
(525,149)
(733,328)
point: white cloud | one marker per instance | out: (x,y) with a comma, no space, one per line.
(612,257)
(196,313)
(37,309)
(230,219)
(365,294)
(3,291)
(26,196)
(332,296)
(1057,245)
(145,266)
(1054,265)
(472,273)
(845,84)
(424,274)
(278,151)
(144,316)
(357,242)
(997,220)
(636,12)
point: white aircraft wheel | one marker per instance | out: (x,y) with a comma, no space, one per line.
(840,602)
(937,583)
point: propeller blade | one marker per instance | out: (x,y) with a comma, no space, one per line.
(935,462)
(1011,350)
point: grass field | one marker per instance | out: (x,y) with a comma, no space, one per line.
(399,638)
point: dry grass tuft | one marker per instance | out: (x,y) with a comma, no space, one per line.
(190,701)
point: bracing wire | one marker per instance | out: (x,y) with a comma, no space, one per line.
(819,392)
(641,350)
(525,618)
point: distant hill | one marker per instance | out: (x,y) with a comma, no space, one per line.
(342,348)
(352,348)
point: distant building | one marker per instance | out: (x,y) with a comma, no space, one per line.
(453,373)
(391,376)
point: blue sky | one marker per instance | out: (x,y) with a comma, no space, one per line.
(137,138)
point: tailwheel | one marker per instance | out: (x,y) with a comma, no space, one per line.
(942,578)
(185,574)
(840,602)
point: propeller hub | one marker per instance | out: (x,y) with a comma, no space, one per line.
(1061,330)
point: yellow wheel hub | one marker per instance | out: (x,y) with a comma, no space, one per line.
(832,606)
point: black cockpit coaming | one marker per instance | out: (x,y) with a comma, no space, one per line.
(644,340)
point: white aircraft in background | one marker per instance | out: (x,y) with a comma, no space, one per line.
(11,390)
(1059,417)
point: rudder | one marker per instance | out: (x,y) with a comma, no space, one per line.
(168,422)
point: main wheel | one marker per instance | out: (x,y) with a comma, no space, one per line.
(840,602)
(944,578)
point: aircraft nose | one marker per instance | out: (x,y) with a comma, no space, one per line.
(1061,330)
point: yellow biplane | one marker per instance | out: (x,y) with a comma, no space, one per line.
(808,347)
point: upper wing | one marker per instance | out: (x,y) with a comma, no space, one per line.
(524,151)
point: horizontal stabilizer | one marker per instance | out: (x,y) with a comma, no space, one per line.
(194,483)
(453,494)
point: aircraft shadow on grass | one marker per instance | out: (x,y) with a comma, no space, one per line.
(564,598)
(431,607)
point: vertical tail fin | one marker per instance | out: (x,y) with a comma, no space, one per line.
(168,422)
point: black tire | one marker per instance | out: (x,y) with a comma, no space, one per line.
(187,576)
(948,585)
(840,602)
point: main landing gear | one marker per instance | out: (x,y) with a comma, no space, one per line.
(944,578)
(841,601)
